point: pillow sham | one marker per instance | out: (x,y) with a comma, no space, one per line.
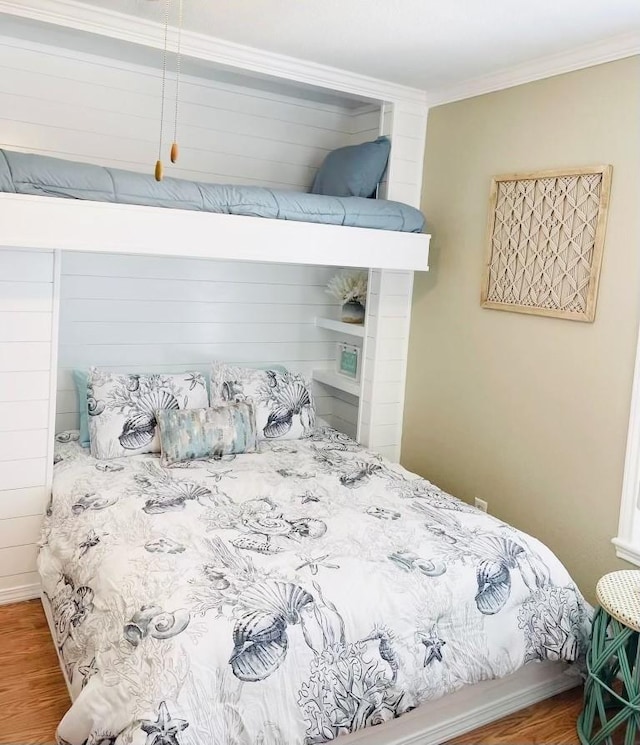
(283,401)
(353,171)
(122,408)
(80,379)
(193,434)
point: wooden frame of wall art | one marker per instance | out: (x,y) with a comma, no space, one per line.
(545,237)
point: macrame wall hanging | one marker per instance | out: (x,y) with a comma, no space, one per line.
(175,150)
(545,238)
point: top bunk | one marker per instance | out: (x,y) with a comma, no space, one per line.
(76,174)
(50,203)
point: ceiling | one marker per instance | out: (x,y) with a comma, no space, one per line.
(419,43)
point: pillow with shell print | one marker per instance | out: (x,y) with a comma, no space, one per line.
(122,419)
(283,401)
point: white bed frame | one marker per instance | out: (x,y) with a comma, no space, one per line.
(38,229)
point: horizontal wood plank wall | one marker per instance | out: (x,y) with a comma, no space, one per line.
(139,313)
(132,315)
(89,108)
(26,337)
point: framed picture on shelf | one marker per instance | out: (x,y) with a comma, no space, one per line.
(348,360)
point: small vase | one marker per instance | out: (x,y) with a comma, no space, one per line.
(352,312)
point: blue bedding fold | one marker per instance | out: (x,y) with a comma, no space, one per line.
(27,173)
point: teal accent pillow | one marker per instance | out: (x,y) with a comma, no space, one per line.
(353,171)
(194,434)
(80,378)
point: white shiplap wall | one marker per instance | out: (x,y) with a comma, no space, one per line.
(148,314)
(28,319)
(88,108)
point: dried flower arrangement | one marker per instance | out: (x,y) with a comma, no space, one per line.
(349,287)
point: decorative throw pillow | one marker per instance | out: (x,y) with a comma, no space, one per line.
(191,434)
(283,401)
(353,171)
(122,408)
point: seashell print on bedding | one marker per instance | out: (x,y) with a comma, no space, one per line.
(283,402)
(164,546)
(94,502)
(123,408)
(195,595)
(409,561)
(152,621)
(260,633)
(260,544)
(70,606)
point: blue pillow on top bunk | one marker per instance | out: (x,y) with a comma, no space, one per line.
(353,171)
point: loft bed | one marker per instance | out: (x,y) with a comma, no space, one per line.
(39,175)
(37,232)
(90,208)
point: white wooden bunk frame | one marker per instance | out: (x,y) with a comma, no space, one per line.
(29,223)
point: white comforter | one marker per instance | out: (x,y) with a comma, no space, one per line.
(284,597)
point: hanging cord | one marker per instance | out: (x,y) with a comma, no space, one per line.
(159,169)
(174,146)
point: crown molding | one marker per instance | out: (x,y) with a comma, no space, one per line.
(107,23)
(608,50)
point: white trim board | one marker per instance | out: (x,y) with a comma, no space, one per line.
(598,53)
(472,707)
(627,542)
(118,26)
(67,224)
(19,594)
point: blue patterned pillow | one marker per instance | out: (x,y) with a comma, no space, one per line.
(192,434)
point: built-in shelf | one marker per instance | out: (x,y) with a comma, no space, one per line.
(341,382)
(350,329)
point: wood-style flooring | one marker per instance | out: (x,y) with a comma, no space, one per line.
(33,696)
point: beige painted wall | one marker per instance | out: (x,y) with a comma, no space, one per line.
(529,413)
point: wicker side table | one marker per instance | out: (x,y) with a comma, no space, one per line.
(612,690)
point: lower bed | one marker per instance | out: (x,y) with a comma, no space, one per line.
(284,597)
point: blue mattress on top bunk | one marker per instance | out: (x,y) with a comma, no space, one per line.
(27,173)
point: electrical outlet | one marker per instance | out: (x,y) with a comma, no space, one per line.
(481,504)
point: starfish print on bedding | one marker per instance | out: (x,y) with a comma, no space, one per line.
(194,380)
(165,730)
(309,497)
(315,563)
(88,671)
(92,539)
(433,647)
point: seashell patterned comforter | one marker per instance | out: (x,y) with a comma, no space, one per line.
(282,598)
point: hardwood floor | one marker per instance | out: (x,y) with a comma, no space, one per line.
(33,696)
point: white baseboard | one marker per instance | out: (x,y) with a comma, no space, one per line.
(472,707)
(18,594)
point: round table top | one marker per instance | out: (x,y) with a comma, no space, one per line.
(619,594)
